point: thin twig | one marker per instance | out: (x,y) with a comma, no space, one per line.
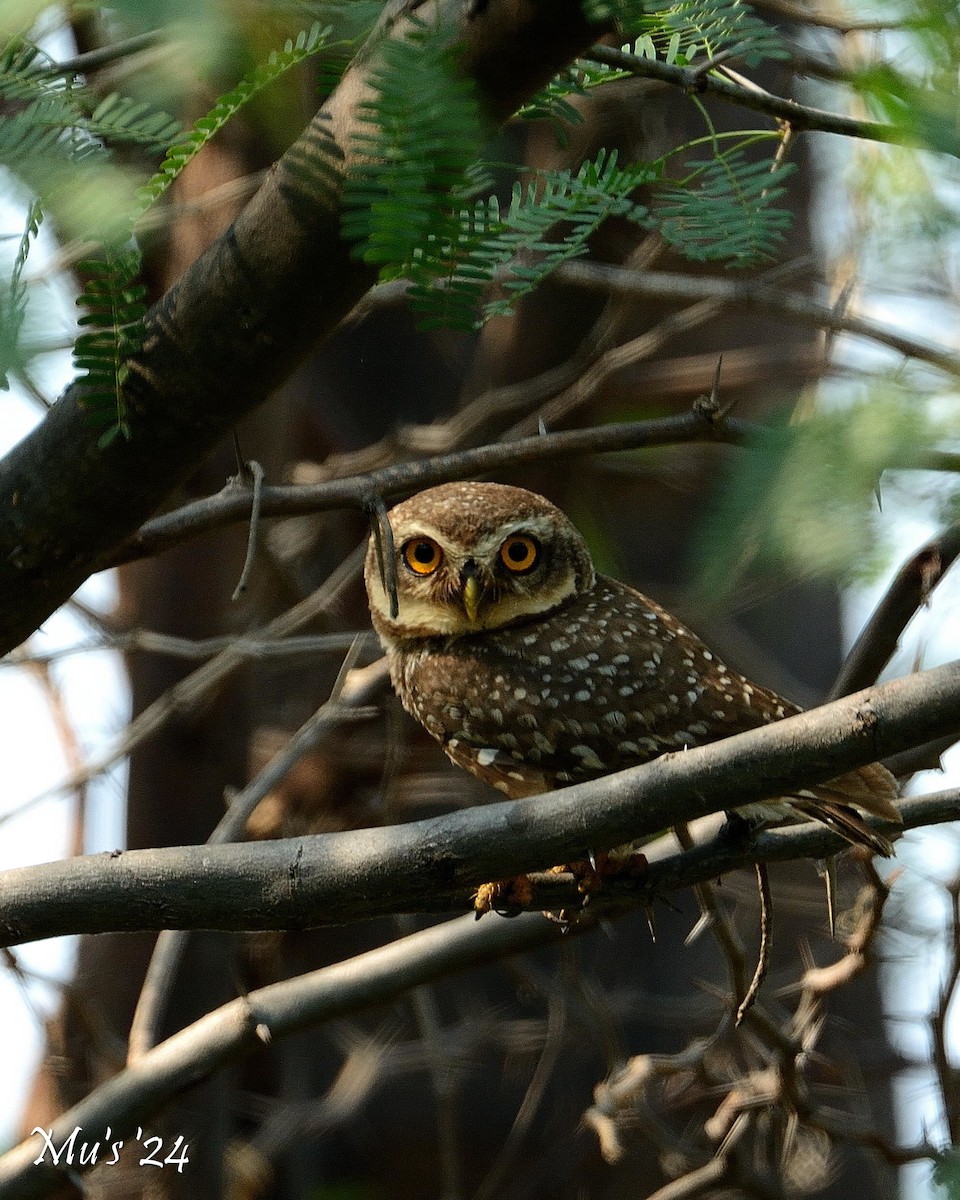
(199,683)
(766,944)
(346,703)
(93,60)
(907,593)
(404,478)
(800,116)
(604,277)
(255,470)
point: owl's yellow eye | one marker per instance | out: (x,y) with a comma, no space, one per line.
(519,553)
(422,555)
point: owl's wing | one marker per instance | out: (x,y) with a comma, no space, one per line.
(498,769)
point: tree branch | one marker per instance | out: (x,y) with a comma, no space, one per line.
(240,1027)
(433,864)
(238,322)
(800,116)
(356,491)
(608,279)
(907,593)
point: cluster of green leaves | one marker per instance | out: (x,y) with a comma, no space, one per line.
(58,141)
(547,222)
(693,29)
(423,136)
(801,503)
(307,44)
(681,32)
(112,299)
(419,205)
(13,300)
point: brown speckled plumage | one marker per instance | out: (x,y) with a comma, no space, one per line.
(562,675)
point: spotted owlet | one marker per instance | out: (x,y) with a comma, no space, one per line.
(533,672)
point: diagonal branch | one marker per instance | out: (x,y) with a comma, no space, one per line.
(696,81)
(432,865)
(355,491)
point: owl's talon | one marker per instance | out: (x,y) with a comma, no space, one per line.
(506,897)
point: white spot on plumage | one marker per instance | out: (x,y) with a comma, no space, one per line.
(588,757)
(486,756)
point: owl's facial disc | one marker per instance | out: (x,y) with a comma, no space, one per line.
(474,557)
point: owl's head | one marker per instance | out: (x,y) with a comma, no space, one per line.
(474,556)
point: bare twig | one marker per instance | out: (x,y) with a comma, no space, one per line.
(908,592)
(230,1032)
(199,683)
(606,278)
(255,471)
(766,944)
(345,704)
(800,116)
(404,478)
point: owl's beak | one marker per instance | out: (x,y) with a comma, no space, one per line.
(471,590)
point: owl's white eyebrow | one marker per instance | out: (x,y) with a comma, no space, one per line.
(404,532)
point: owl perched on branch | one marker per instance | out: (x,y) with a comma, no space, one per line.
(533,672)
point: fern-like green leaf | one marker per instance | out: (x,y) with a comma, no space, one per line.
(306,44)
(548,222)
(681,33)
(114,330)
(13,299)
(120,119)
(551,104)
(730,215)
(422,136)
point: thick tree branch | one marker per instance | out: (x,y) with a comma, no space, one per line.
(431,865)
(238,1028)
(237,323)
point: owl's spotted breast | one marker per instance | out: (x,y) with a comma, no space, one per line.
(607,682)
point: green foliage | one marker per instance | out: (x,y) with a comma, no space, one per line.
(294,52)
(112,300)
(114,332)
(725,210)
(546,223)
(801,502)
(683,32)
(411,205)
(424,136)
(13,300)
(58,140)
(551,103)
(946,1173)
